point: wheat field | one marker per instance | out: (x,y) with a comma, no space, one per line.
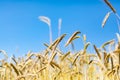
(53,64)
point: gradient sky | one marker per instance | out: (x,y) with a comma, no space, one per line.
(21,30)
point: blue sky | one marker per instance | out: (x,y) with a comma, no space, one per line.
(21,30)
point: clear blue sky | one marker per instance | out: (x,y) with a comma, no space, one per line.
(21,30)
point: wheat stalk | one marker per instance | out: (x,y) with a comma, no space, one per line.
(47,21)
(59,26)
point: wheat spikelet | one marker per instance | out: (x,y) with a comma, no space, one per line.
(65,56)
(72,38)
(116,51)
(109,4)
(110,73)
(106,43)
(84,37)
(58,41)
(86,45)
(90,62)
(29,56)
(105,54)
(14,60)
(50,47)
(26,63)
(55,64)
(45,19)
(78,54)
(41,69)
(107,58)
(105,19)
(57,49)
(112,66)
(97,52)
(15,69)
(76,37)
(8,66)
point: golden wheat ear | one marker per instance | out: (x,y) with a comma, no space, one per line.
(73,37)
(55,46)
(15,69)
(96,50)
(108,42)
(105,19)
(110,5)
